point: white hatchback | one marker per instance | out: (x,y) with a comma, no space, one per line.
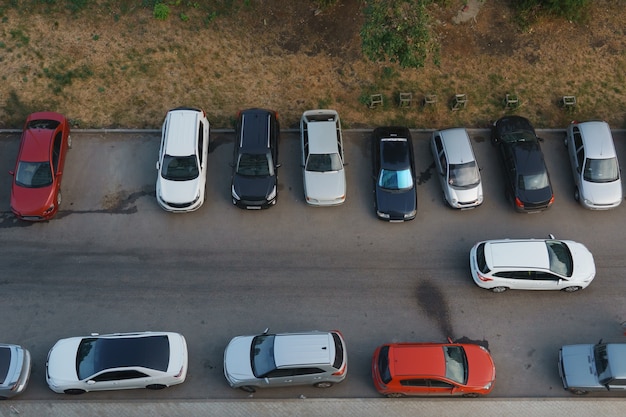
(322,158)
(531,264)
(182,163)
(456,167)
(594,165)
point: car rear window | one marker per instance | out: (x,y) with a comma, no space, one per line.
(480,259)
(383,365)
(338,351)
(43,124)
(5,362)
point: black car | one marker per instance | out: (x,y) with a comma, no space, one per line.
(526,176)
(255,159)
(395,194)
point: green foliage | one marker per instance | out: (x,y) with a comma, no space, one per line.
(325,3)
(530,10)
(397,31)
(61,77)
(161,11)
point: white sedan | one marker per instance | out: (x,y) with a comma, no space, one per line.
(152,360)
(531,264)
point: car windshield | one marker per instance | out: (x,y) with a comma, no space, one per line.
(43,124)
(395,180)
(464,175)
(86,358)
(262,355)
(33,174)
(383,365)
(180,168)
(561,261)
(255,165)
(601,360)
(534,181)
(456,364)
(323,162)
(601,170)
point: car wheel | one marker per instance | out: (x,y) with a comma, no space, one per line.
(2,398)
(470,395)
(578,391)
(323,384)
(74,391)
(571,289)
(156,386)
(565,141)
(69,142)
(247,388)
(59,198)
(499,289)
(576,194)
(395,395)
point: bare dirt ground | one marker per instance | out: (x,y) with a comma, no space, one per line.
(120,67)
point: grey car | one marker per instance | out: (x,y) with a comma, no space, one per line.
(589,367)
(15,366)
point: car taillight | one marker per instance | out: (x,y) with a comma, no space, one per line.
(341,370)
(180,373)
(484,278)
(551,201)
(519,203)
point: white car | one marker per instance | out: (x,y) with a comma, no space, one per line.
(531,264)
(15,364)
(322,158)
(182,163)
(152,360)
(594,165)
(456,167)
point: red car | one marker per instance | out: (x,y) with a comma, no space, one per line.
(406,369)
(36,189)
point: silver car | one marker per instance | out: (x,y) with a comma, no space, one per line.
(594,164)
(588,367)
(456,167)
(15,367)
(275,360)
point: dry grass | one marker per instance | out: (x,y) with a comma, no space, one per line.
(123,68)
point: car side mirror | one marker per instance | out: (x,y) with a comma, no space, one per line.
(11,172)
(91,382)
(157,165)
(539,139)
(278,166)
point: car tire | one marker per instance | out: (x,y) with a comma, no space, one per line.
(2,398)
(325,384)
(74,391)
(576,194)
(499,289)
(59,198)
(69,142)
(156,386)
(578,391)
(471,395)
(565,141)
(395,395)
(247,388)
(572,289)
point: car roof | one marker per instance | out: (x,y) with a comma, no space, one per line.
(182,129)
(322,137)
(616,353)
(517,253)
(597,139)
(147,351)
(417,359)
(457,145)
(36,144)
(256,124)
(303,349)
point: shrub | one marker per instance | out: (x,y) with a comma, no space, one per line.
(161,11)
(574,10)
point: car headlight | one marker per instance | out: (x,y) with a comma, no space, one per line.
(382,215)
(272,194)
(234,193)
(411,214)
(49,209)
(488,385)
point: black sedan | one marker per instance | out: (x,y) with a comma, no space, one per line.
(525,173)
(395,194)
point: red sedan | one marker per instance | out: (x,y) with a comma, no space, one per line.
(36,189)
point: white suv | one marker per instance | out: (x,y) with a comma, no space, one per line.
(594,165)
(322,158)
(182,163)
(531,264)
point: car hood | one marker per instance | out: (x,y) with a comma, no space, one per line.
(465,195)
(62,360)
(482,370)
(325,185)
(31,201)
(253,188)
(578,366)
(237,366)
(584,266)
(179,192)
(602,192)
(396,203)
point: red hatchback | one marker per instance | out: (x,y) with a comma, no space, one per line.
(406,369)
(36,189)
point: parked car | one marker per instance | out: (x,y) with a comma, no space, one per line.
(456,167)
(408,369)
(526,176)
(15,367)
(395,193)
(36,188)
(255,159)
(531,264)
(275,360)
(587,367)
(152,360)
(322,158)
(594,165)
(182,164)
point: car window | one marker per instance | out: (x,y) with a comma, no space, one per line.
(338,351)
(435,383)
(464,175)
(255,165)
(601,360)
(545,276)
(5,363)
(395,180)
(180,168)
(280,373)
(580,157)
(561,261)
(262,355)
(56,150)
(85,358)
(601,170)
(456,363)
(414,382)
(119,375)
(33,174)
(200,142)
(480,259)
(43,124)
(307,371)
(578,140)
(323,162)
(383,365)
(443,162)
(533,182)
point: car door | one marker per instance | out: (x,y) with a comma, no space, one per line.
(118,379)
(415,386)
(340,141)
(577,155)
(57,158)
(547,281)
(439,387)
(440,160)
